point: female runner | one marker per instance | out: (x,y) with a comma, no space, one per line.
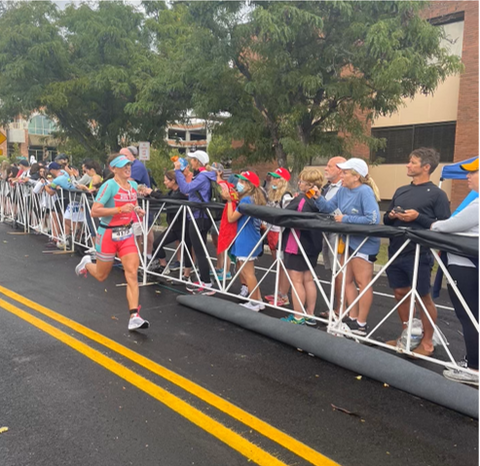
(114,204)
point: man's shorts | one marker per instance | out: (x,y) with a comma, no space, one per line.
(400,273)
(106,248)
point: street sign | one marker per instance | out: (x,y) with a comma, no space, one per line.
(3,138)
(144,151)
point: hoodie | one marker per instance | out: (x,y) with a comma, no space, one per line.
(199,189)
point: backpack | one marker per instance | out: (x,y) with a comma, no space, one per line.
(215,197)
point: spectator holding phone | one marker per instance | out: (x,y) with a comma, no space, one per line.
(416,206)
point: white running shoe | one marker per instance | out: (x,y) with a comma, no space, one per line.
(137,323)
(244,291)
(462,377)
(81,268)
(253,306)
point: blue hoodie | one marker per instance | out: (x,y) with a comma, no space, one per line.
(200,184)
(358,206)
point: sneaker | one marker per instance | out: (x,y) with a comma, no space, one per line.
(81,268)
(459,376)
(358,329)
(174,266)
(293,320)
(137,323)
(217,272)
(244,291)
(157,267)
(201,288)
(255,307)
(311,321)
(463,363)
(61,245)
(228,276)
(281,301)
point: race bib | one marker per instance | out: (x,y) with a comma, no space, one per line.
(122,233)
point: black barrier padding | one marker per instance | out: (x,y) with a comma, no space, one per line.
(456,244)
(361,359)
(194,205)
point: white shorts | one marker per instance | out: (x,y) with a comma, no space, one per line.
(244,259)
(75,212)
(137,229)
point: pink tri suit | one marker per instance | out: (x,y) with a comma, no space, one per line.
(115,233)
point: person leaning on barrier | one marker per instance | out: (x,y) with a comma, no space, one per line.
(58,187)
(198,190)
(279,195)
(356,202)
(334,183)
(416,206)
(464,272)
(114,205)
(304,289)
(93,170)
(246,247)
(174,232)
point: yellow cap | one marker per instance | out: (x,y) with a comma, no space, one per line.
(470,167)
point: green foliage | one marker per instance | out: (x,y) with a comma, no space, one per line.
(294,75)
(160,162)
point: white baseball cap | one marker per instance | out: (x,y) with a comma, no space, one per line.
(200,155)
(359,165)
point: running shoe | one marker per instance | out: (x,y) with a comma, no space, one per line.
(463,363)
(174,266)
(228,276)
(201,288)
(281,301)
(293,320)
(157,267)
(137,323)
(358,329)
(244,291)
(310,321)
(462,377)
(255,307)
(81,268)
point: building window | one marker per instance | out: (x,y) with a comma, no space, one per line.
(41,125)
(402,140)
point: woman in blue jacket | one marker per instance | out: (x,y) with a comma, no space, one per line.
(356,202)
(198,190)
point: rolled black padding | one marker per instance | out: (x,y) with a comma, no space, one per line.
(361,359)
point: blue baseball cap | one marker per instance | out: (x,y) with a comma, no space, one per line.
(54,166)
(120,161)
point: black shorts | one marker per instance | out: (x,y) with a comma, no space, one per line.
(400,272)
(298,263)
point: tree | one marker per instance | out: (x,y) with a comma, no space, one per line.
(302,78)
(84,67)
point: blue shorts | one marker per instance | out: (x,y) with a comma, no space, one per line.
(400,273)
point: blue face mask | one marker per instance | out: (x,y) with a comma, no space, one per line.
(273,186)
(240,188)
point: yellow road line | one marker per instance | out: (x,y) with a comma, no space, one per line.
(274,434)
(218,430)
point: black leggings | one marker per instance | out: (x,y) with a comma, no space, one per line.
(466,279)
(204,225)
(170,237)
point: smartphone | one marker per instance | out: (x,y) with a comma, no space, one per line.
(310,193)
(399,210)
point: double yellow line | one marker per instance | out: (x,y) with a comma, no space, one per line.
(215,428)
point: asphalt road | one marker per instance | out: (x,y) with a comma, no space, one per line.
(70,400)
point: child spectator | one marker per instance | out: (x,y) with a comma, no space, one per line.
(248,230)
(304,293)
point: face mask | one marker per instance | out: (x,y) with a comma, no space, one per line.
(240,188)
(273,186)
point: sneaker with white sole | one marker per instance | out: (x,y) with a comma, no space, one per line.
(462,363)
(81,268)
(462,377)
(137,323)
(244,291)
(201,288)
(255,307)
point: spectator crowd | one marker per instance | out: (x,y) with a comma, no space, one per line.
(345,191)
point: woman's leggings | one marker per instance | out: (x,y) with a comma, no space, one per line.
(466,279)
(204,225)
(170,237)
